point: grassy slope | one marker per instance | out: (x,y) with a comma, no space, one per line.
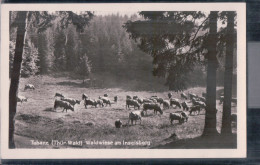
(37,120)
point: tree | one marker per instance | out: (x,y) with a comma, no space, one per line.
(84,67)
(41,21)
(226,118)
(210,117)
(177,42)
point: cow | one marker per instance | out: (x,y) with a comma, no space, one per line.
(147,101)
(166,104)
(90,102)
(105,100)
(134,116)
(159,100)
(71,101)
(105,95)
(176,116)
(169,95)
(118,123)
(63,104)
(115,99)
(203,99)
(29,86)
(184,96)
(140,101)
(21,99)
(135,97)
(84,96)
(185,106)
(131,102)
(195,108)
(59,95)
(152,106)
(175,102)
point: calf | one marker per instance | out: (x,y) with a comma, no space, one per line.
(118,123)
(90,102)
(100,103)
(176,116)
(184,96)
(134,116)
(29,86)
(63,104)
(130,102)
(195,109)
(21,99)
(175,102)
(169,95)
(152,106)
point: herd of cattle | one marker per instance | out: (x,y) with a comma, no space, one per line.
(191,104)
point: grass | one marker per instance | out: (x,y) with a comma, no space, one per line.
(36,119)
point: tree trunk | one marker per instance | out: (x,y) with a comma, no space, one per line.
(226,118)
(21,29)
(210,117)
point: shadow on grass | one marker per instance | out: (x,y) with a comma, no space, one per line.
(200,142)
(50,109)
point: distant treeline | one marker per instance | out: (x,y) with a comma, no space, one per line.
(103,48)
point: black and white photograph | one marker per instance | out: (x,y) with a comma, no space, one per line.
(106,79)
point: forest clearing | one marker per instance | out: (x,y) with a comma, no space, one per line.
(37,120)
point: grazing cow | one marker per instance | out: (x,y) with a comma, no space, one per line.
(71,101)
(100,103)
(115,99)
(192,95)
(59,95)
(135,115)
(166,104)
(84,96)
(140,101)
(184,115)
(185,106)
(105,100)
(184,96)
(21,99)
(105,95)
(63,104)
(176,116)
(152,106)
(175,102)
(234,118)
(195,108)
(169,95)
(118,123)
(204,94)
(128,97)
(90,102)
(29,86)
(130,102)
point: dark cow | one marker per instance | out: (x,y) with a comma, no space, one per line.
(128,97)
(105,100)
(169,95)
(100,102)
(195,108)
(63,104)
(175,102)
(71,101)
(185,106)
(21,99)
(130,102)
(29,86)
(159,100)
(166,104)
(152,106)
(118,123)
(115,99)
(105,95)
(59,95)
(176,116)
